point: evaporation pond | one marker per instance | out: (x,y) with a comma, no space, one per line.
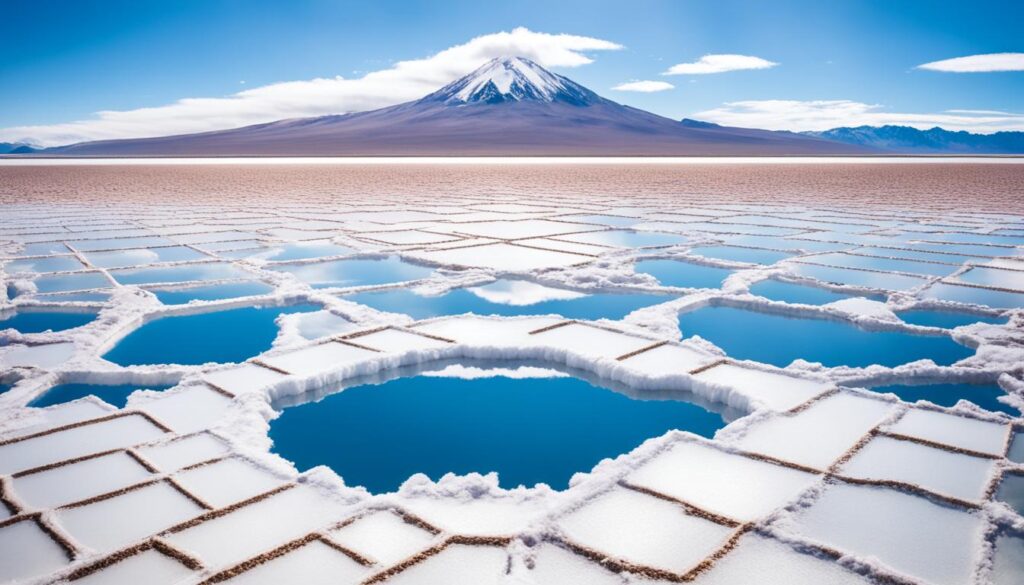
(113,395)
(358,272)
(233,335)
(984,395)
(736,254)
(509,298)
(40,321)
(538,426)
(790,292)
(946,319)
(212,292)
(778,340)
(683,274)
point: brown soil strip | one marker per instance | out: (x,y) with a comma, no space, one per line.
(261,559)
(84,423)
(141,460)
(812,401)
(782,463)
(860,444)
(414,520)
(690,508)
(707,367)
(499,541)
(124,554)
(214,514)
(359,345)
(429,336)
(69,547)
(203,463)
(550,327)
(219,390)
(59,464)
(5,500)
(365,332)
(188,494)
(347,552)
(908,487)
(519,244)
(636,352)
(705,565)
(109,495)
(942,446)
(619,566)
(264,364)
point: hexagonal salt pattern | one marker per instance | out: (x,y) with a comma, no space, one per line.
(814,481)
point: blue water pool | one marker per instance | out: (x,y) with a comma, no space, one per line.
(1011,491)
(70,282)
(357,272)
(790,292)
(212,292)
(220,336)
(750,255)
(497,299)
(778,340)
(1016,452)
(39,321)
(947,319)
(114,395)
(683,274)
(48,264)
(996,299)
(180,273)
(539,429)
(984,395)
(296,251)
(5,388)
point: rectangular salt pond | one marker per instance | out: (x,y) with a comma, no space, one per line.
(50,264)
(736,254)
(474,418)
(358,272)
(1011,491)
(884,264)
(683,274)
(984,395)
(212,292)
(945,319)
(626,239)
(143,256)
(28,321)
(973,295)
(508,298)
(295,251)
(781,339)
(116,395)
(70,282)
(791,292)
(232,335)
(183,273)
(863,278)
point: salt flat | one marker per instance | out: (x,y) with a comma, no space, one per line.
(808,475)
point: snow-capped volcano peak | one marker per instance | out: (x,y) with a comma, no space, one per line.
(507,79)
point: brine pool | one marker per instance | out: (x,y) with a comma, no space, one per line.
(476,417)
(114,394)
(778,340)
(509,298)
(40,321)
(233,335)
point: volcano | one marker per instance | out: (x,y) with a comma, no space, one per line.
(510,106)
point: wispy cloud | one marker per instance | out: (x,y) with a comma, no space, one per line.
(644,86)
(801,116)
(978,63)
(719,64)
(405,80)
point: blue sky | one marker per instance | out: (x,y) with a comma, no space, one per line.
(855,60)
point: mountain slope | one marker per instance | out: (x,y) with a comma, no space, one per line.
(509,106)
(904,139)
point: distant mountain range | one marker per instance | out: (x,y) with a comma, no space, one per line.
(15,148)
(511,107)
(904,139)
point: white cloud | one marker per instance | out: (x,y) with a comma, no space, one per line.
(644,86)
(719,64)
(978,63)
(801,116)
(404,81)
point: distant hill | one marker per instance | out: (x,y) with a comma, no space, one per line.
(15,148)
(904,139)
(510,106)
